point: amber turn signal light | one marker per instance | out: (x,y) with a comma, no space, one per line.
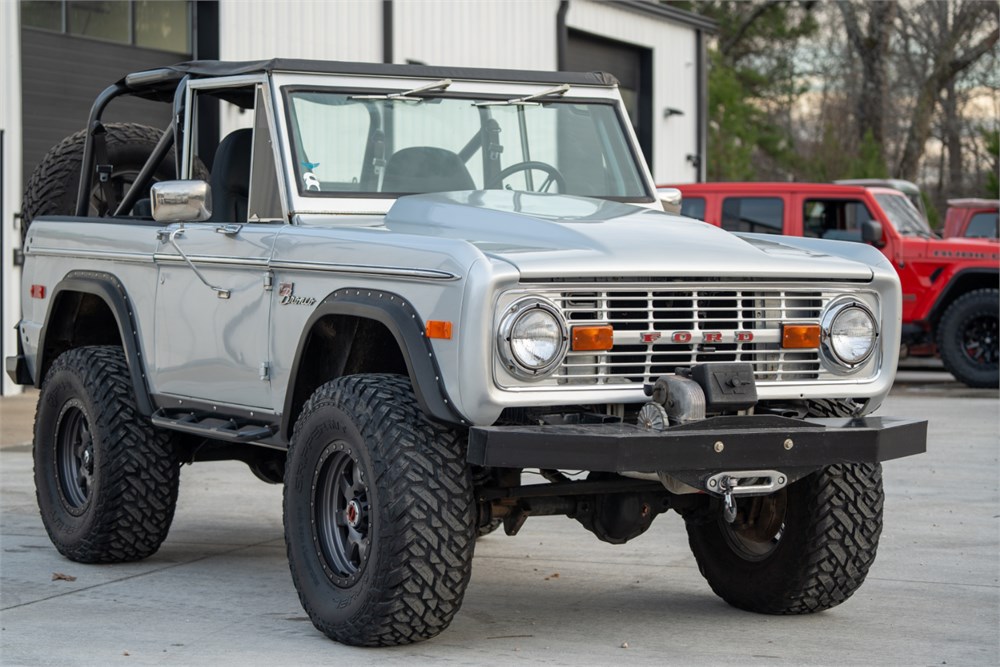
(593,338)
(800,336)
(439,329)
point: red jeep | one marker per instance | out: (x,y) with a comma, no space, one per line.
(972,218)
(951,287)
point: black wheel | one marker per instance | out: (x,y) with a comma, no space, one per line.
(53,185)
(106,480)
(804,549)
(553,176)
(968,336)
(379,514)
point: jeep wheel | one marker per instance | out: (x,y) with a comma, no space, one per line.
(379,514)
(968,336)
(106,480)
(804,549)
(53,185)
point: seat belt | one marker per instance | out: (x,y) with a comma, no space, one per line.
(103,166)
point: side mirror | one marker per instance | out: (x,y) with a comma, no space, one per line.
(181,201)
(670,199)
(871,232)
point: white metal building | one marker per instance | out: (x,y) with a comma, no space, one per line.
(656,52)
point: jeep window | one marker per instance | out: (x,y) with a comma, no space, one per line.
(837,219)
(693,207)
(347,145)
(903,215)
(983,226)
(761,215)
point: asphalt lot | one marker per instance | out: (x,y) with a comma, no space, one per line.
(219,592)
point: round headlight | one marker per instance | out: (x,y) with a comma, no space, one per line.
(532,338)
(850,333)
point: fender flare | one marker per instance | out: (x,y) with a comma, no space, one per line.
(946,296)
(398,316)
(109,289)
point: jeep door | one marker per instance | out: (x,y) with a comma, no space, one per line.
(213,290)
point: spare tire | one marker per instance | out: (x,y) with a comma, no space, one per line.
(53,185)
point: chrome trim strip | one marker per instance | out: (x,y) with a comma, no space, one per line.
(365,270)
(89,254)
(258,262)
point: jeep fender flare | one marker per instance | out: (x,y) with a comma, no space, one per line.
(110,290)
(952,290)
(402,321)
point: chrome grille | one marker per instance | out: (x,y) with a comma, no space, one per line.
(725,322)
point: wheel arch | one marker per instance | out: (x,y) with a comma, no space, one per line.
(378,318)
(966,280)
(92,308)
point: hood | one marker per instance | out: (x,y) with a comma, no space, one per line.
(952,250)
(546,235)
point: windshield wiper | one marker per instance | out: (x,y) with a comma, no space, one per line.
(408,95)
(529,100)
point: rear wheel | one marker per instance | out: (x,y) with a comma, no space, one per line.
(106,480)
(804,549)
(379,514)
(968,338)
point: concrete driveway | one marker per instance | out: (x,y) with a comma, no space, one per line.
(219,593)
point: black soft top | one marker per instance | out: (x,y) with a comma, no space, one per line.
(160,83)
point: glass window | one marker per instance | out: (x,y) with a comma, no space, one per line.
(163,25)
(983,226)
(265,201)
(345,143)
(761,215)
(837,219)
(46,15)
(693,207)
(903,215)
(108,20)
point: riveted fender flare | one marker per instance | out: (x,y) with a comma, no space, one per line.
(109,289)
(398,316)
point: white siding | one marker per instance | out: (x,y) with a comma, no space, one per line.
(675,79)
(10,159)
(261,29)
(512,34)
(516,34)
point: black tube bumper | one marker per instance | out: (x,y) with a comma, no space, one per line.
(716,443)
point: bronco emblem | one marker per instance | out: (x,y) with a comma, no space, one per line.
(286,296)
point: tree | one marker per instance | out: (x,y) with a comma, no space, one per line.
(954,36)
(872,48)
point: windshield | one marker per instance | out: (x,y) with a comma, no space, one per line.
(348,146)
(903,215)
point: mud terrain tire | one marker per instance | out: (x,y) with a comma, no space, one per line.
(379,514)
(804,549)
(968,336)
(106,480)
(53,185)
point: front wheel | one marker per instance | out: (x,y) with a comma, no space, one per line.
(803,549)
(968,338)
(379,514)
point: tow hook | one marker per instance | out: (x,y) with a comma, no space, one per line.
(731,485)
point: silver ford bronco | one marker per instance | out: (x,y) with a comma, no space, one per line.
(395,289)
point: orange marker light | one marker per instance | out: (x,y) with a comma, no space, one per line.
(800,336)
(439,329)
(591,338)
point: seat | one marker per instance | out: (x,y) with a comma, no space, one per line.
(230,179)
(426,169)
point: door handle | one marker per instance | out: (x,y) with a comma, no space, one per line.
(229,230)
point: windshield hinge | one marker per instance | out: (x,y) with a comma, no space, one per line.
(265,371)
(268,281)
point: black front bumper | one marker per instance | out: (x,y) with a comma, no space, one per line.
(716,443)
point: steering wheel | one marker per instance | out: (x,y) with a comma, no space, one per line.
(553,175)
